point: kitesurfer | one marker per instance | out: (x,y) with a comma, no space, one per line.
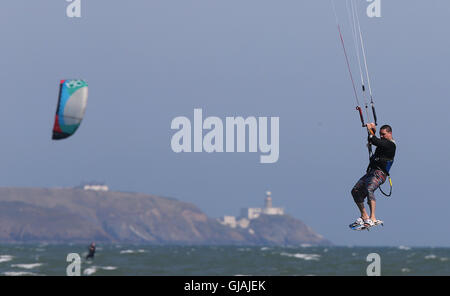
(376,174)
(91,251)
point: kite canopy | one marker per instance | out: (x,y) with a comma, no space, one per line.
(72,103)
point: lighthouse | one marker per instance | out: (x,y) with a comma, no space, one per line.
(248,214)
(268,209)
(268,200)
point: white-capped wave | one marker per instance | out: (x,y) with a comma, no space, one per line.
(302,256)
(431,256)
(108,267)
(243,249)
(132,251)
(405,248)
(27,266)
(5,258)
(18,273)
(90,270)
(94,269)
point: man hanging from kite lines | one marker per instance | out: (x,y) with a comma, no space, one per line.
(376,174)
(381,161)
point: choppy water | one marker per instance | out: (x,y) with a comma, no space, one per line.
(18,260)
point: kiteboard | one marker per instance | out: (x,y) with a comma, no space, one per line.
(364,227)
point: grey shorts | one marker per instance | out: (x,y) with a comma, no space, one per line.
(366,186)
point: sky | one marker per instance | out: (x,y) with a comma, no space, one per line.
(148,62)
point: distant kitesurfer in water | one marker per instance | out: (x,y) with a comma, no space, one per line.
(91,251)
(377,171)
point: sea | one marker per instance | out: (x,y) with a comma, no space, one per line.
(145,260)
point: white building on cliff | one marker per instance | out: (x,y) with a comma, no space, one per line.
(95,186)
(253,213)
(248,214)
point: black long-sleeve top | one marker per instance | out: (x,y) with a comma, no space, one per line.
(384,155)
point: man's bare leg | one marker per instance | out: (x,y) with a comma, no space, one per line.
(362,209)
(372,206)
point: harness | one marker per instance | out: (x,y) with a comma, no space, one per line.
(389,163)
